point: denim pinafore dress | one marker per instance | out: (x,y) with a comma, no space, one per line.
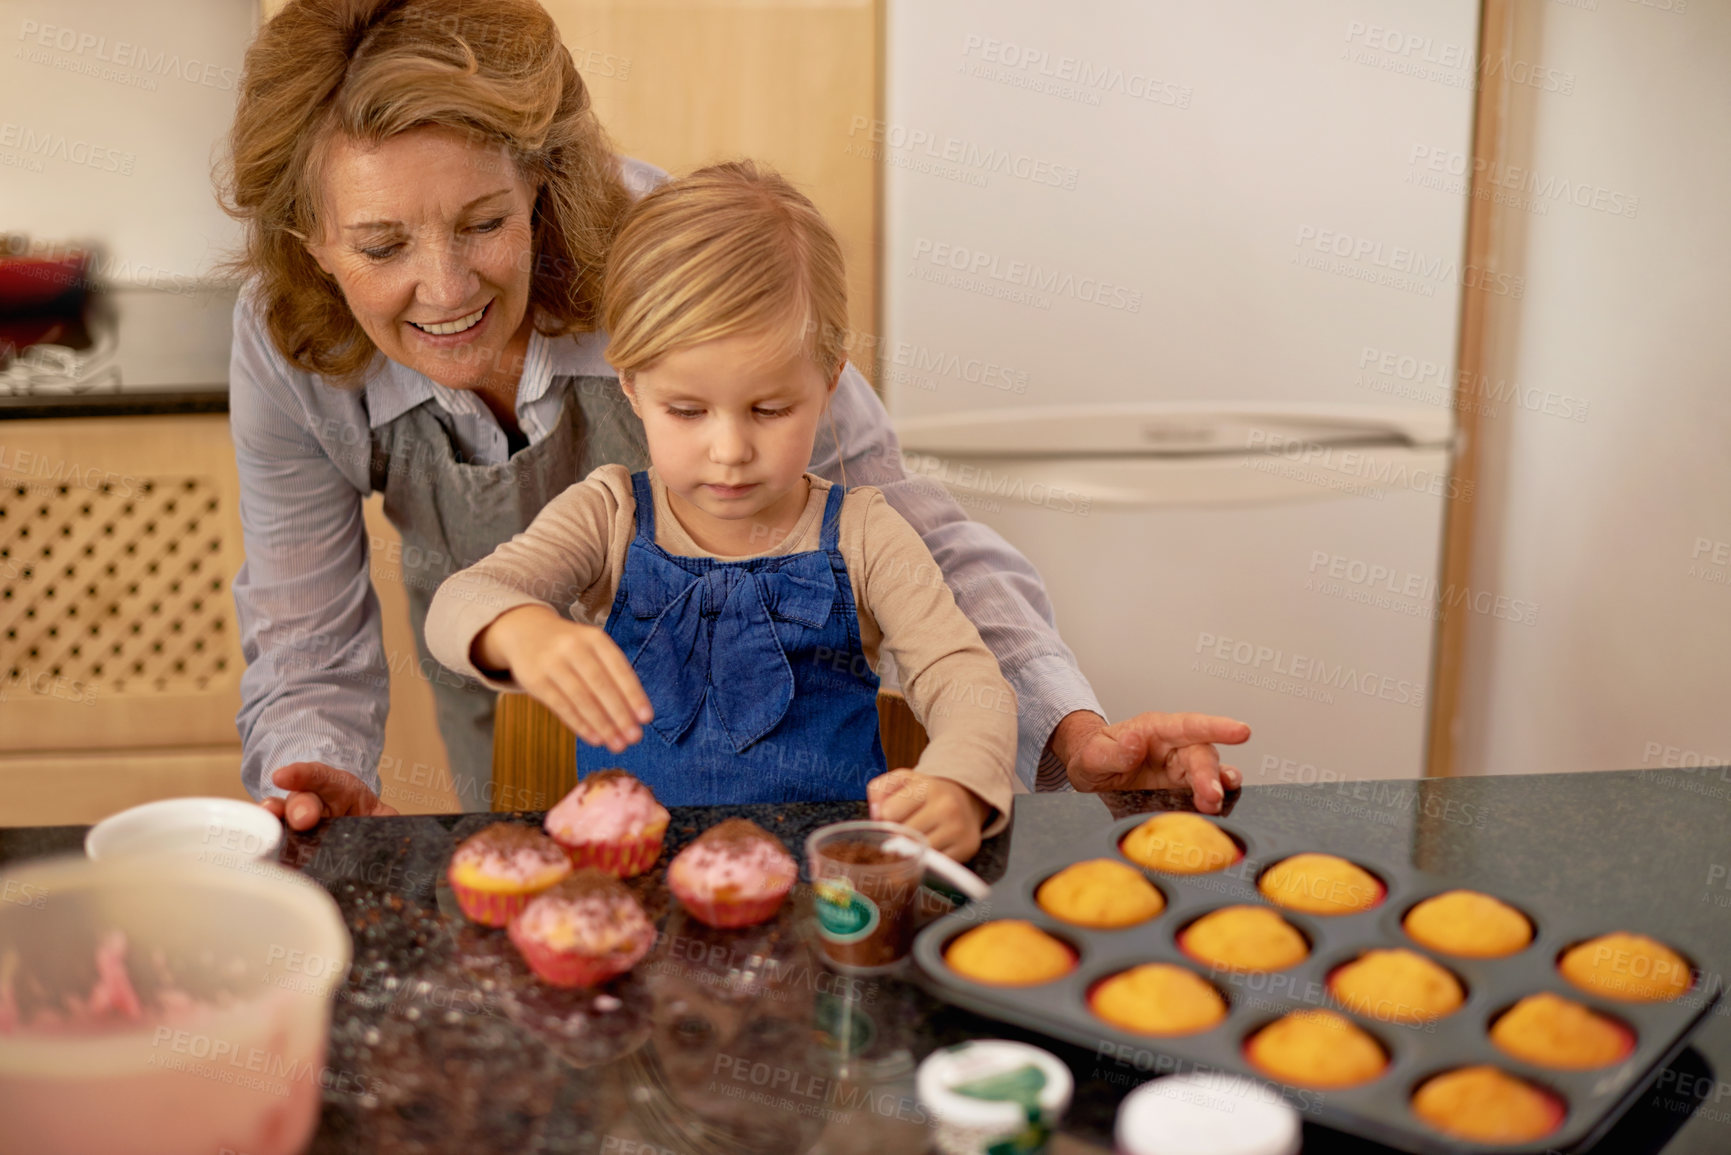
(754,668)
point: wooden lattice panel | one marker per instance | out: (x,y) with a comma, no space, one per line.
(118,588)
(118,541)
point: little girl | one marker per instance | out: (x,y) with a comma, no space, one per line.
(727,607)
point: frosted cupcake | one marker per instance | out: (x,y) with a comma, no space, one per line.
(735,874)
(582,931)
(495,873)
(610,821)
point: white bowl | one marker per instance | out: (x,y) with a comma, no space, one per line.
(213,830)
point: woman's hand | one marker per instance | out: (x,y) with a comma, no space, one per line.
(1151,752)
(947,813)
(317,792)
(576,671)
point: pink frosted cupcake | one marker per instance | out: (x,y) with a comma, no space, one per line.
(735,874)
(582,931)
(609,821)
(495,873)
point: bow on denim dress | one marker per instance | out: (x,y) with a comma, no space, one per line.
(761,689)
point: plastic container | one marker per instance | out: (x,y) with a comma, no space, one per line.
(978,1093)
(200,1006)
(865,879)
(1206,1114)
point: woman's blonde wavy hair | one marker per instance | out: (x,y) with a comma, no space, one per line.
(729,250)
(370,69)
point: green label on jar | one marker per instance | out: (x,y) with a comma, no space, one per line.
(843,914)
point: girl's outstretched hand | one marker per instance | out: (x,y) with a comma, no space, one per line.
(947,813)
(576,671)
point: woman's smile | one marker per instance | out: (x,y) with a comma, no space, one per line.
(462,331)
(447,328)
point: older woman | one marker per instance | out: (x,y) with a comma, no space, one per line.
(427,197)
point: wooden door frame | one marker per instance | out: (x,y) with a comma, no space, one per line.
(1480,267)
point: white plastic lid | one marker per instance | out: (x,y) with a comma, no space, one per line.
(982,1059)
(1206,1114)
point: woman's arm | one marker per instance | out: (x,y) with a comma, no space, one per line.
(994,585)
(315,689)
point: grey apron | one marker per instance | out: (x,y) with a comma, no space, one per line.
(456,513)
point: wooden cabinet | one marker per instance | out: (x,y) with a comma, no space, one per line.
(118,538)
(795,83)
(119,649)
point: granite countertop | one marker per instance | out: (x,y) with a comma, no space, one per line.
(743,1042)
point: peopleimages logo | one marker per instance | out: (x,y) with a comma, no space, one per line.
(1420,378)
(1397,265)
(123,54)
(1285,672)
(899,138)
(44,145)
(1517,187)
(1407,592)
(1351,470)
(1445,62)
(1069,77)
(984,268)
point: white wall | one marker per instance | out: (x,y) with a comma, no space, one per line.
(111,112)
(1600,521)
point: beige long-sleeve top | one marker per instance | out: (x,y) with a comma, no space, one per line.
(572,554)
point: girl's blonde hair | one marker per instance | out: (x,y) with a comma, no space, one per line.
(730,250)
(370,69)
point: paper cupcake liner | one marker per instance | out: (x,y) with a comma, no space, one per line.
(728,913)
(490,907)
(620,857)
(568,968)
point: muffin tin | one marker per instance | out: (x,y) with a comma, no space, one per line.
(1380,1109)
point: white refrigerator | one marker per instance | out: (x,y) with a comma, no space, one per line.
(1171,297)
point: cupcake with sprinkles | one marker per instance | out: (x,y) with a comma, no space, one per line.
(735,874)
(610,821)
(582,931)
(495,873)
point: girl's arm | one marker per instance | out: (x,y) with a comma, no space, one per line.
(562,553)
(501,620)
(950,678)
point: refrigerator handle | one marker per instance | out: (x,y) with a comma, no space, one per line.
(1172,428)
(988,483)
